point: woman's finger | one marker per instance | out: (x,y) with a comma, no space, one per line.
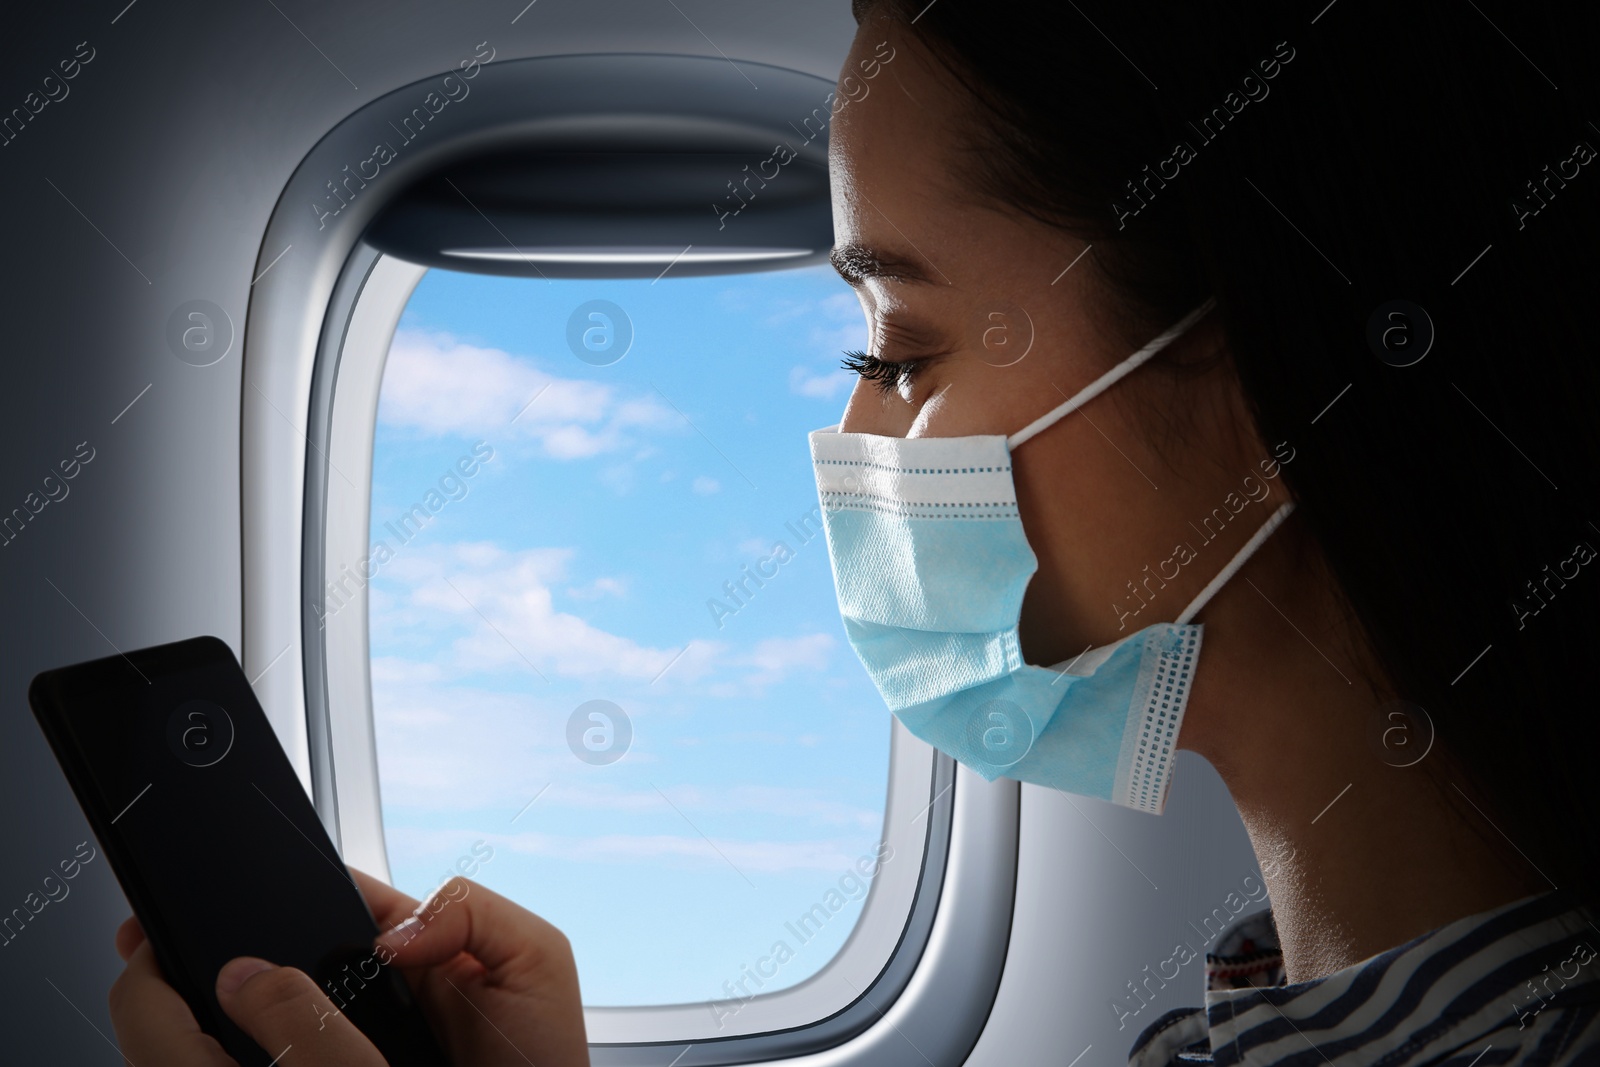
(281,1008)
(130,935)
(153,1023)
(389,906)
(461,916)
(486,957)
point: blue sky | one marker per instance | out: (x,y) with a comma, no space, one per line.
(577,564)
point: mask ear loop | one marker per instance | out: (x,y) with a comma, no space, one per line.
(1239,559)
(1110,377)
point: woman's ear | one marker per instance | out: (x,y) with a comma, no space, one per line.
(1204,347)
(1191,404)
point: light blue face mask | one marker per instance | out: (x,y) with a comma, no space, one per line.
(930,562)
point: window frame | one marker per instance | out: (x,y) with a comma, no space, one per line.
(317,333)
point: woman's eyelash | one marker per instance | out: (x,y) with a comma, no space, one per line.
(886,374)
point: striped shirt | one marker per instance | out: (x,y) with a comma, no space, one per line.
(1518,984)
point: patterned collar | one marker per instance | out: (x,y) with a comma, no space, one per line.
(1445,990)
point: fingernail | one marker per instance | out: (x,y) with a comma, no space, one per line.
(236,972)
(401,934)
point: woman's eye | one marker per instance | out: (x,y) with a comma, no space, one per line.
(888,375)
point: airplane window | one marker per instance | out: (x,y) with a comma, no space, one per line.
(609,679)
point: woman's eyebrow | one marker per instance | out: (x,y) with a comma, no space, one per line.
(856,263)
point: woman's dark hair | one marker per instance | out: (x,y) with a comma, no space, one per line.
(1340,156)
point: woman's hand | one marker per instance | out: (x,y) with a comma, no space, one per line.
(279,1007)
(497,982)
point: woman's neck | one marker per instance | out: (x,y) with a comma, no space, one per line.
(1358,855)
(1386,863)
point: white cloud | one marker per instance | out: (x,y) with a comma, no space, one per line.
(771,661)
(705,486)
(443,611)
(834,325)
(838,323)
(791,802)
(504,598)
(447,746)
(393,670)
(620,478)
(812,804)
(777,656)
(598,588)
(747,857)
(437,384)
(455,747)
(823,386)
(824,328)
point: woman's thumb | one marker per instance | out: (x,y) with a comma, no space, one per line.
(282,1008)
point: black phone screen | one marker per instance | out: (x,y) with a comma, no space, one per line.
(214,840)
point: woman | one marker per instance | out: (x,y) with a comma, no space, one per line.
(1359,237)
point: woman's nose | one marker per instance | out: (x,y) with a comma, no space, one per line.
(871,410)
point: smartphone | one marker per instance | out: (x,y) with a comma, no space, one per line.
(214,840)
